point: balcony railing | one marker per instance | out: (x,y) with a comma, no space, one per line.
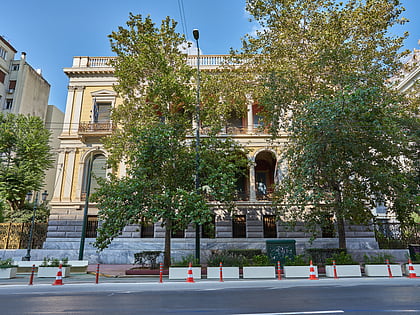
(101,127)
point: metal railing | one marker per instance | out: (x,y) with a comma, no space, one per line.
(88,127)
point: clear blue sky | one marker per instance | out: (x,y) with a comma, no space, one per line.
(51,32)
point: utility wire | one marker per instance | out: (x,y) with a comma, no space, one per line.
(183,19)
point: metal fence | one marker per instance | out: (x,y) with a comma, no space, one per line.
(16,235)
(394,235)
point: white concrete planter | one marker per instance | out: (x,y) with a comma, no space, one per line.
(298,271)
(51,272)
(259,272)
(343,271)
(416,269)
(7,273)
(228,272)
(178,273)
(382,270)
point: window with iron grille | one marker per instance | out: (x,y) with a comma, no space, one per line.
(270,226)
(239,226)
(209,228)
(147,230)
(178,233)
(92,226)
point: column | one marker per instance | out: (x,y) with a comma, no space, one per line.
(252,193)
(250,117)
(77,109)
(69,110)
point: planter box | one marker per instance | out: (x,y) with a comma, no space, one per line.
(259,272)
(78,266)
(343,271)
(382,270)
(178,273)
(26,266)
(228,272)
(51,272)
(298,271)
(7,273)
(416,269)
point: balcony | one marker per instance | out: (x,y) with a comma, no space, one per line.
(96,129)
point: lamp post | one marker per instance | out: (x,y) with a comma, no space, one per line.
(85,212)
(196,35)
(44,195)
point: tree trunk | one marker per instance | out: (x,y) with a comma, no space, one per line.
(167,251)
(340,221)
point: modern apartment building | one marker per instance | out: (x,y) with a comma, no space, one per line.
(87,121)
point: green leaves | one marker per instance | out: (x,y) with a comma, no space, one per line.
(25,156)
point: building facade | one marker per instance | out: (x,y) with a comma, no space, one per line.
(87,120)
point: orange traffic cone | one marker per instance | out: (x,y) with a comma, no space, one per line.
(411,272)
(190,277)
(59,277)
(312,275)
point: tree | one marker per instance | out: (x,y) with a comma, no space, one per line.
(25,156)
(322,69)
(155,139)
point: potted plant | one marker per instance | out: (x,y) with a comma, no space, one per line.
(7,269)
(375,266)
(49,268)
(260,268)
(230,263)
(298,267)
(179,270)
(345,266)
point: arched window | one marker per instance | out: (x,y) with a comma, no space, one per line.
(98,171)
(264,174)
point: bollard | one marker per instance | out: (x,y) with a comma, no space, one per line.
(335,270)
(97,274)
(31,279)
(389,269)
(221,272)
(278,271)
(160,273)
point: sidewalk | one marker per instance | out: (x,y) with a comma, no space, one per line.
(109,270)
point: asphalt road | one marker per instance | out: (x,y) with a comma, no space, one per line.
(268,297)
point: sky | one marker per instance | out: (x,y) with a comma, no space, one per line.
(52,32)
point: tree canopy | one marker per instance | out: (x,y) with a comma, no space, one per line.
(155,139)
(25,156)
(323,68)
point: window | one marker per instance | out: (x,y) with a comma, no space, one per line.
(269,226)
(2,76)
(92,226)
(147,230)
(178,233)
(98,171)
(239,226)
(9,103)
(101,112)
(209,228)
(12,86)
(3,53)
(15,67)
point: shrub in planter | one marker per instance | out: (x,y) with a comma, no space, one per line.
(49,267)
(247,253)
(320,255)
(261,260)
(346,266)
(226,258)
(375,266)
(7,269)
(298,267)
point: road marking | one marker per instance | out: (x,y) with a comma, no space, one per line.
(297,313)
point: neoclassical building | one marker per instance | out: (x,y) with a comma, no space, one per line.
(87,120)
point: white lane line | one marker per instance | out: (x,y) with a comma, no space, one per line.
(297,313)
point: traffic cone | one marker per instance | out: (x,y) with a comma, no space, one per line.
(312,275)
(411,272)
(190,277)
(335,270)
(59,277)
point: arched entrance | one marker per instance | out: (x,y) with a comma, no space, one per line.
(265,165)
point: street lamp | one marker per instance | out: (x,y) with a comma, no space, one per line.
(44,195)
(196,35)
